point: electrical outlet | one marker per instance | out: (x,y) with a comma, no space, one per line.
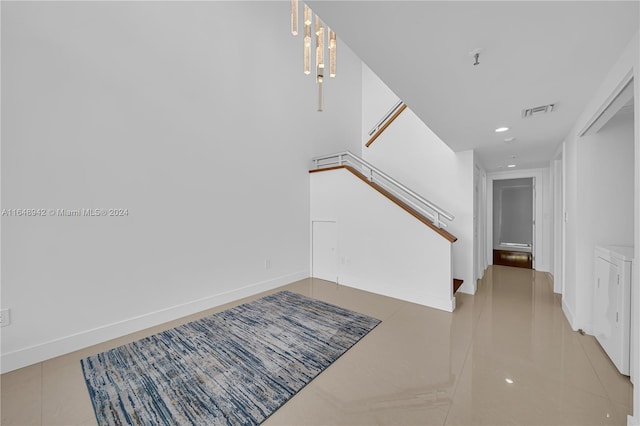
(5,317)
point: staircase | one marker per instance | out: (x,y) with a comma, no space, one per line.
(406,207)
(409,242)
(422,209)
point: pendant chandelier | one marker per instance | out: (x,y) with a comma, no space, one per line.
(321,32)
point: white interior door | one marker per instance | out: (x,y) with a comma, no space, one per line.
(325,251)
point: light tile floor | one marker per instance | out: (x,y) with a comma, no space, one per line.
(420,366)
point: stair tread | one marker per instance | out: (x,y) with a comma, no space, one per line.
(456,284)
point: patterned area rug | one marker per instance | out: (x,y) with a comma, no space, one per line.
(235,367)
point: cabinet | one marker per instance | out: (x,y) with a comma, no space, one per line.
(612,303)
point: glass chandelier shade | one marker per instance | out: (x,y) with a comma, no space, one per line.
(294,17)
(325,38)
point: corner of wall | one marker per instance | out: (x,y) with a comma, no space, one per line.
(568,313)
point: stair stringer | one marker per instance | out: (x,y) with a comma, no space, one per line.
(382,248)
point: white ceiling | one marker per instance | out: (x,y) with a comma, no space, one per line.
(533,53)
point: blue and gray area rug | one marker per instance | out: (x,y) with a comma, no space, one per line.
(234,368)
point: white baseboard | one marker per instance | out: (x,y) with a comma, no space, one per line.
(569,314)
(468,288)
(552,281)
(556,284)
(64,345)
(423,299)
(428,300)
(571,318)
(448,305)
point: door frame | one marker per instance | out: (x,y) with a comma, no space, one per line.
(558,238)
(479,221)
(538,241)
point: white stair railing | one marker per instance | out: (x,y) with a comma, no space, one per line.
(428,209)
(384,119)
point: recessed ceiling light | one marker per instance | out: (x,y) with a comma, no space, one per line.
(508,380)
(511,166)
(509,140)
(501,129)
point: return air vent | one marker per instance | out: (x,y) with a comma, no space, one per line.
(539,110)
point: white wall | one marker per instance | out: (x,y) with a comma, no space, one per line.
(411,153)
(605,199)
(194,116)
(381,247)
(576,297)
(580,236)
(605,166)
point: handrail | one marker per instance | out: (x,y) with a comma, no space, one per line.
(415,200)
(381,126)
(385,118)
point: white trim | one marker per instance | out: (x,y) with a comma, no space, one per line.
(564,219)
(635,299)
(538,187)
(557,192)
(479,223)
(448,305)
(44,351)
(620,95)
(569,314)
(424,299)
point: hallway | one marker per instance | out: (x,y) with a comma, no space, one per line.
(526,366)
(505,356)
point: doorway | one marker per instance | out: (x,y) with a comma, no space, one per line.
(324,256)
(513,222)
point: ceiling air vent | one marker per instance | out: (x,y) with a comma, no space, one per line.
(539,110)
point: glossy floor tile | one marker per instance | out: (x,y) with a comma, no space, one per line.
(505,356)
